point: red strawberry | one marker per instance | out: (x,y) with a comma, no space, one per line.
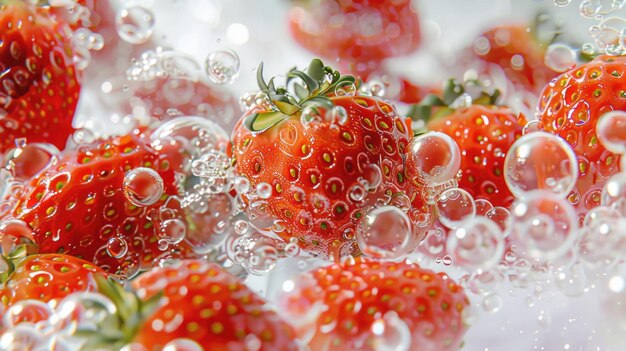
(38,84)
(361,32)
(78,204)
(48,278)
(360,299)
(327,159)
(570,107)
(210,306)
(484,134)
(516,50)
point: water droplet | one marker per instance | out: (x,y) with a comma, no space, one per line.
(375,88)
(453,206)
(385,232)
(562,3)
(257,253)
(264,190)
(611,131)
(241,185)
(571,280)
(390,333)
(173,230)
(477,243)
(357,192)
(345,89)
(492,303)
(117,247)
(540,161)
(27,160)
(432,158)
(222,66)
(498,215)
(543,225)
(135,24)
(339,115)
(182,344)
(560,57)
(143,186)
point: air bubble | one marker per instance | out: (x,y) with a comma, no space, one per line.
(543,225)
(492,303)
(143,186)
(432,158)
(611,131)
(222,66)
(117,247)
(345,89)
(385,232)
(455,205)
(173,230)
(477,243)
(264,190)
(560,57)
(540,161)
(135,24)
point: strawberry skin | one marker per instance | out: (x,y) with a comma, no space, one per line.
(313,169)
(570,107)
(516,50)
(39,88)
(368,32)
(48,277)
(77,205)
(354,294)
(210,306)
(484,135)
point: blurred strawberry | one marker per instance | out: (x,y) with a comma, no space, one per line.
(360,33)
(39,87)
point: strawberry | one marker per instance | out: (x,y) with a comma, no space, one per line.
(38,83)
(361,33)
(570,107)
(359,299)
(210,306)
(484,134)
(79,204)
(327,159)
(48,278)
(514,52)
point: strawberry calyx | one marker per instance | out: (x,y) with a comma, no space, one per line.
(119,327)
(317,84)
(12,259)
(434,107)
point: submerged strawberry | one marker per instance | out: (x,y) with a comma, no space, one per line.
(38,83)
(204,303)
(48,278)
(324,159)
(484,133)
(570,107)
(360,33)
(363,304)
(85,205)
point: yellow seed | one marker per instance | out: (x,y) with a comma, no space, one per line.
(327,158)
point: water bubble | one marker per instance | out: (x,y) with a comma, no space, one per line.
(482,206)
(346,88)
(531,126)
(476,243)
(543,225)
(492,303)
(389,333)
(339,115)
(135,24)
(453,206)
(375,88)
(562,3)
(560,57)
(143,186)
(385,232)
(241,185)
(498,215)
(182,344)
(264,190)
(222,66)
(611,129)
(29,159)
(434,241)
(540,161)
(257,253)
(117,247)
(432,158)
(173,230)
(463,101)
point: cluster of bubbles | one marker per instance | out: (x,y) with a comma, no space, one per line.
(608,32)
(34,325)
